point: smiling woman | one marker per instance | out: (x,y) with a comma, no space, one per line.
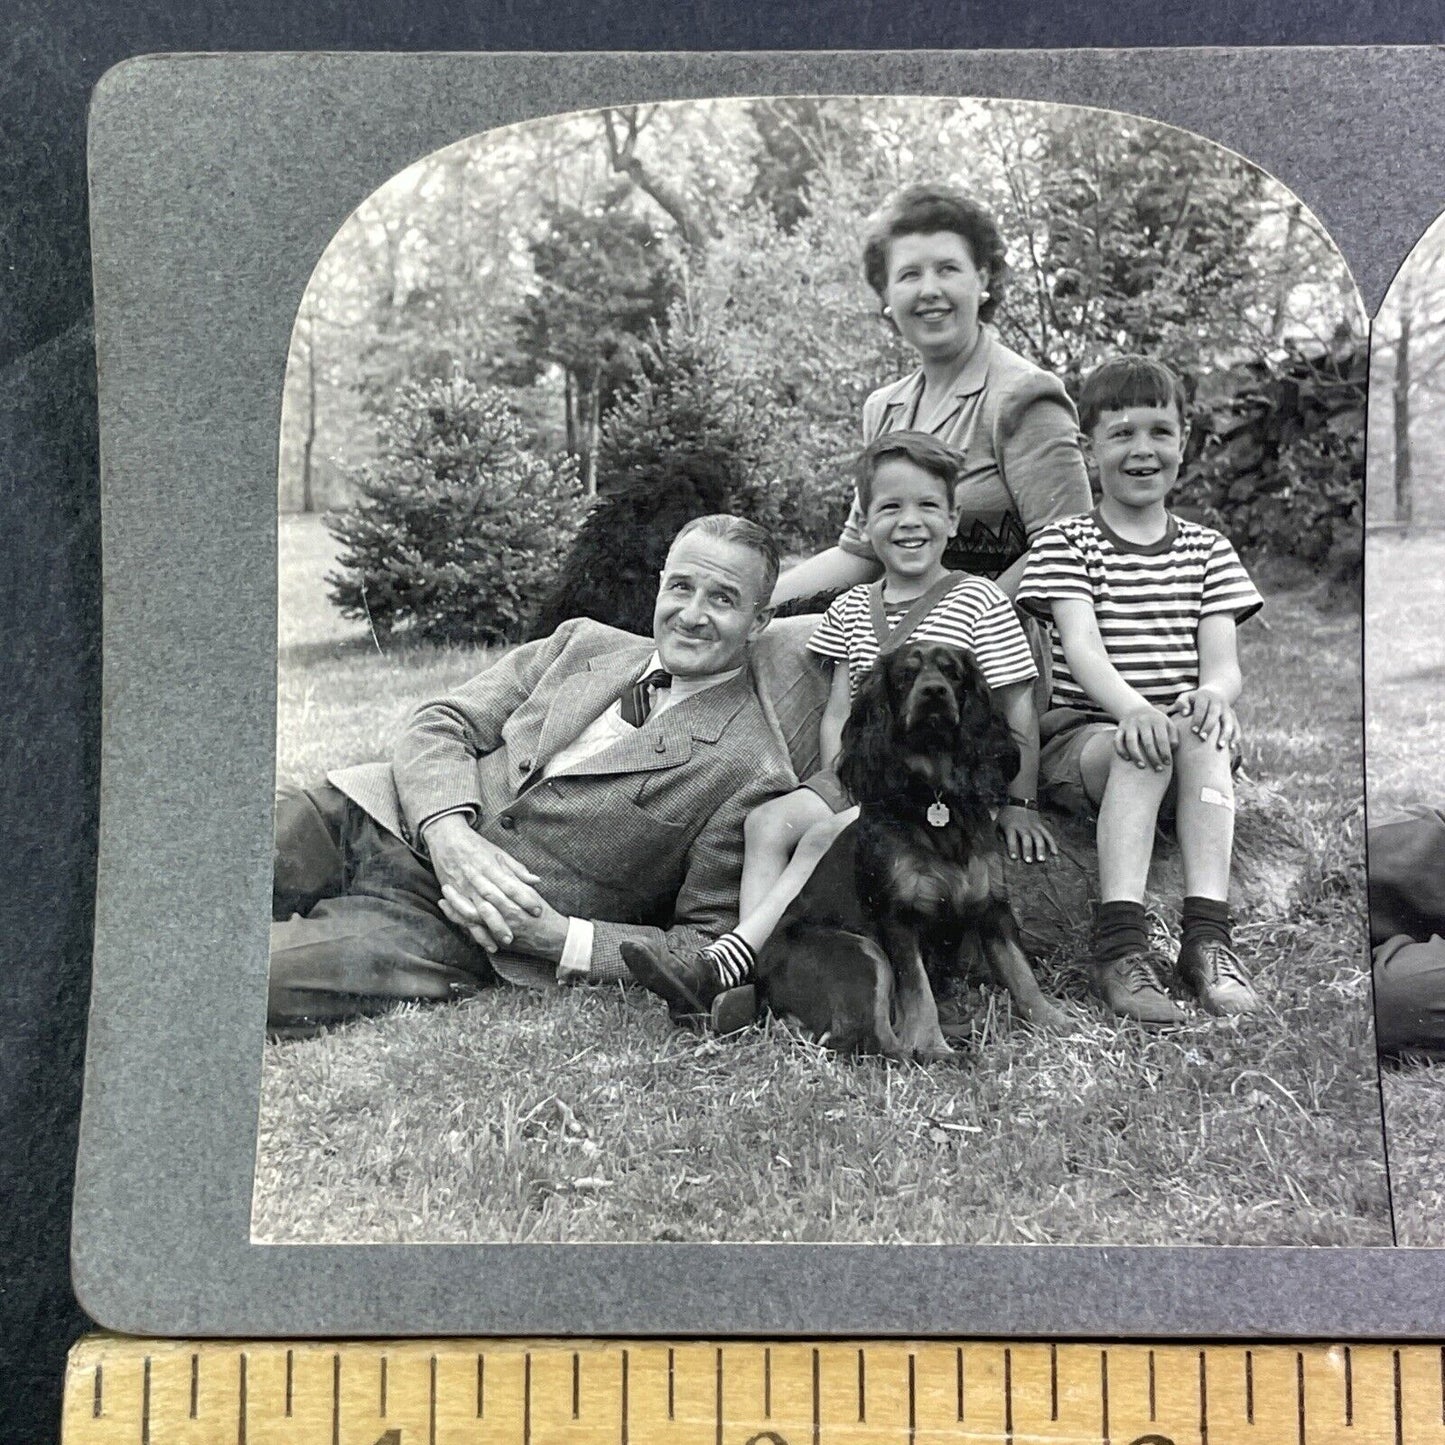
(936,260)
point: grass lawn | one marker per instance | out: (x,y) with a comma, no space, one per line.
(1405,688)
(585,1116)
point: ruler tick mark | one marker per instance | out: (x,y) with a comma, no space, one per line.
(244,1409)
(718,1399)
(145,1403)
(862,1390)
(1008,1395)
(431,1417)
(1053,1382)
(382,1403)
(195,1384)
(527,1397)
(336,1400)
(671,1383)
(768,1382)
(1203,1399)
(1349,1388)
(97,1404)
(1104,1396)
(1153,1402)
(1399,1404)
(817,1401)
(625,1420)
(576,1385)
(290,1379)
(1442,1384)
(912,1399)
(1299,1377)
(958,1379)
(1249,1386)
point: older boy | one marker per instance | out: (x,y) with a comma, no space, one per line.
(1144,607)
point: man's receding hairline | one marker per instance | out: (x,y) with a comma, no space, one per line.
(760,562)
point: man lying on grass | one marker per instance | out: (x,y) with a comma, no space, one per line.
(1407,919)
(586,789)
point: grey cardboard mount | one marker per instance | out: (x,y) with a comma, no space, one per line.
(216,183)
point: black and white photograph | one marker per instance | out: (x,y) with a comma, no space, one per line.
(1405,727)
(819,691)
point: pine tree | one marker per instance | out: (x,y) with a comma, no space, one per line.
(457,529)
(677,447)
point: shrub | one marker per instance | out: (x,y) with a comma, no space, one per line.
(678,446)
(458,528)
(1281,458)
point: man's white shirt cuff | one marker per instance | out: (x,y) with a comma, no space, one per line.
(575,964)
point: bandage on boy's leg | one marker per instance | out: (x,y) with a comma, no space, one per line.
(1204,816)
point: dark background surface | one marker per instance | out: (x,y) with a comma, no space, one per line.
(50,57)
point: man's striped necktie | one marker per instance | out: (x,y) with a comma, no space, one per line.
(637,700)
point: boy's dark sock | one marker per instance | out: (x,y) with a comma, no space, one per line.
(1119,929)
(1205,920)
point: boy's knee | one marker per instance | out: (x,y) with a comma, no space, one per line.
(1126,772)
(1199,757)
(820,834)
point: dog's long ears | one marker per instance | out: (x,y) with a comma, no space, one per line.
(863,760)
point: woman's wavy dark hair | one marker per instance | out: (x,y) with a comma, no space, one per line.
(926,210)
(881,766)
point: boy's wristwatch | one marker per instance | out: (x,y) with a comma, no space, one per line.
(1032,804)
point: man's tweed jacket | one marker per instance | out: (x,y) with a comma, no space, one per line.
(645,837)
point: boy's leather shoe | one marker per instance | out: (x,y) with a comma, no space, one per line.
(1213,973)
(734,1009)
(1130,986)
(692,986)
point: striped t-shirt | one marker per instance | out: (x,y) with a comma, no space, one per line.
(975,616)
(1147,599)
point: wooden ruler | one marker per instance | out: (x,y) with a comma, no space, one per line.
(122,1391)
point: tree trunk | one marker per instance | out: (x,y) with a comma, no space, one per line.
(594,419)
(308,492)
(1404,482)
(623,157)
(1284,284)
(569,406)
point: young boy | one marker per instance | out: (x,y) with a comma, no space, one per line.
(1144,607)
(906,488)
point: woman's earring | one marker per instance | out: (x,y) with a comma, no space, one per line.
(983,295)
(888,312)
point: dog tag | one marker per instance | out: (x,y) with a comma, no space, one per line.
(938,815)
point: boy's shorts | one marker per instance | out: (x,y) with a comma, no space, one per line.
(826,784)
(1065,733)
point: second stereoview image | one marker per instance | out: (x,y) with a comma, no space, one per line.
(819,693)
(1405,696)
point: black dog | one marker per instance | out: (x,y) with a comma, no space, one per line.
(916,885)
